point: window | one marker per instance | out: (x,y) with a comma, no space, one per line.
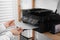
(8,10)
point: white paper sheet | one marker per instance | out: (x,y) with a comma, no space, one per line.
(25,26)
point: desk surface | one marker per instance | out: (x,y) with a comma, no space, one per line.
(53,36)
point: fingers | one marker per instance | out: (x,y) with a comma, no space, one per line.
(17,31)
(11,22)
(20,30)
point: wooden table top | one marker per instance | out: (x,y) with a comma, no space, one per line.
(53,36)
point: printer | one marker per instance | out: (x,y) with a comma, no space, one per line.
(38,18)
(45,19)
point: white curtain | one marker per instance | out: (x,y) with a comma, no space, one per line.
(8,10)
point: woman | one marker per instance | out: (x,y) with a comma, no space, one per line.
(10,34)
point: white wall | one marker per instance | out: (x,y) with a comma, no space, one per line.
(58,7)
(26,4)
(48,4)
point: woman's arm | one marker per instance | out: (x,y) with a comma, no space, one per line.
(2,27)
(7,36)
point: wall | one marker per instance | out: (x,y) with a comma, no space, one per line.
(26,4)
(48,4)
(58,7)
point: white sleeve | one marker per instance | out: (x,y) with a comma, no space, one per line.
(7,36)
(2,27)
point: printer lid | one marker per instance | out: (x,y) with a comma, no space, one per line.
(47,4)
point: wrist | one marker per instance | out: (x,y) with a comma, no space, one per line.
(12,32)
(6,25)
(2,27)
(9,34)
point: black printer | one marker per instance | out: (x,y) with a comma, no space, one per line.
(38,18)
(54,23)
(45,19)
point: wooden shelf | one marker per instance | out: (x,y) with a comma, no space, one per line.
(19,10)
(33,3)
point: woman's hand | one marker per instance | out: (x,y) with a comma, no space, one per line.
(9,23)
(16,31)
